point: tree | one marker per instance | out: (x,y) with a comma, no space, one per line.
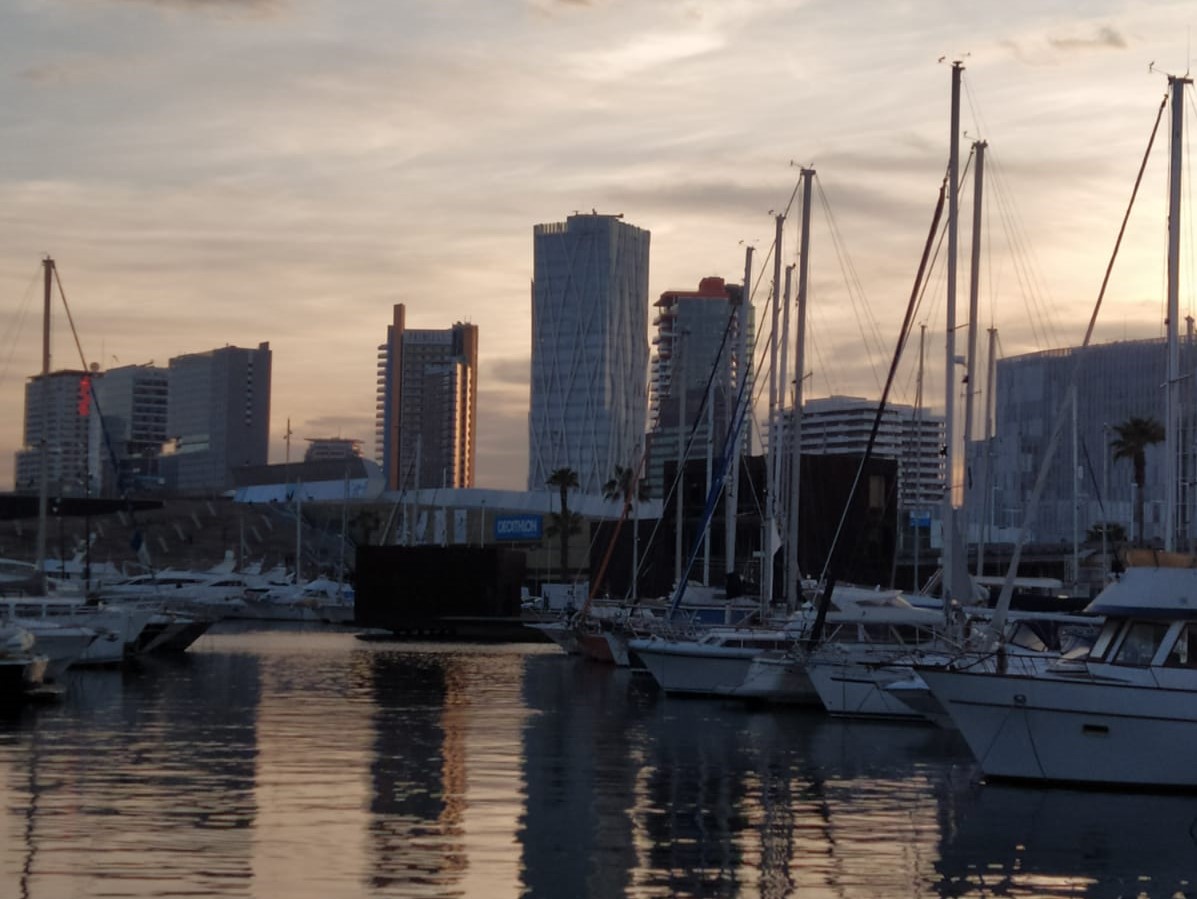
(1134,436)
(564,522)
(624,484)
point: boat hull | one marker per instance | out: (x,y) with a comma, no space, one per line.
(1084,730)
(681,667)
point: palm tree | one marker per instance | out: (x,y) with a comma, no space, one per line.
(1134,436)
(564,522)
(626,485)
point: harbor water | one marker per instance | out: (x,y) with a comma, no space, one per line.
(306,763)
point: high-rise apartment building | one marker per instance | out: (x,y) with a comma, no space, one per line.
(589,349)
(132,400)
(218,416)
(427,409)
(58,411)
(694,365)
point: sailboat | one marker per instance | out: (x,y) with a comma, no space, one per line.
(1125,714)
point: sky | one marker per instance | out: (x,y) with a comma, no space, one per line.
(215,172)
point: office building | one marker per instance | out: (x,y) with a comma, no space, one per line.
(218,416)
(589,397)
(427,405)
(1085,484)
(133,401)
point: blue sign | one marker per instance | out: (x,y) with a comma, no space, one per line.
(920,519)
(518,527)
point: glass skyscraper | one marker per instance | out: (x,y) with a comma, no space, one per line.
(589,389)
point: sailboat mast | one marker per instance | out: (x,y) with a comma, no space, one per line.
(987,449)
(949,418)
(739,387)
(1172,441)
(974,290)
(43,490)
(793,585)
(774,457)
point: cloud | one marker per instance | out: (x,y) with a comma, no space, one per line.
(238,8)
(1105,38)
(512,371)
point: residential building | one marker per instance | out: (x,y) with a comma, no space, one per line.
(589,394)
(427,405)
(331,449)
(840,425)
(694,364)
(218,416)
(59,418)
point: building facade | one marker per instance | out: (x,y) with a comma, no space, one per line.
(840,425)
(427,405)
(589,398)
(133,402)
(218,417)
(694,364)
(1085,484)
(59,418)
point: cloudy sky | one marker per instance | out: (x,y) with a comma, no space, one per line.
(211,172)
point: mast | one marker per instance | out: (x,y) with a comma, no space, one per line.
(1172,441)
(918,429)
(793,592)
(678,380)
(768,547)
(974,281)
(43,490)
(783,484)
(986,499)
(949,511)
(739,385)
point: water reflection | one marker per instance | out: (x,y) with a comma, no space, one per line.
(313,765)
(1009,840)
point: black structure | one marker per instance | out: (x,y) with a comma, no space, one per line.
(456,592)
(869,534)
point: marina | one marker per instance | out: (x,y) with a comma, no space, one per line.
(297,760)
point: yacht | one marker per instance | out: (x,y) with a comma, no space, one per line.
(1125,714)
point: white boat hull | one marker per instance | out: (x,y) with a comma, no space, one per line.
(1072,730)
(683,667)
(852,689)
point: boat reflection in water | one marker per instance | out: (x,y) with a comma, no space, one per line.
(1018,841)
(309,764)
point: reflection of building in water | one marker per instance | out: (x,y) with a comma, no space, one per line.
(314,743)
(580,771)
(136,768)
(418,774)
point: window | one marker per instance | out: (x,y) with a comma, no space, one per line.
(1184,652)
(1142,640)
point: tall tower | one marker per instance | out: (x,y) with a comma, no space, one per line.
(58,412)
(427,410)
(589,349)
(218,415)
(695,348)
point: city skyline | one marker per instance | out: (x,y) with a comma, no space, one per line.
(211,173)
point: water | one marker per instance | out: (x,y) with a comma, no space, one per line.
(291,763)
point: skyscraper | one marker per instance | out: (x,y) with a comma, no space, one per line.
(218,416)
(427,405)
(695,348)
(589,349)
